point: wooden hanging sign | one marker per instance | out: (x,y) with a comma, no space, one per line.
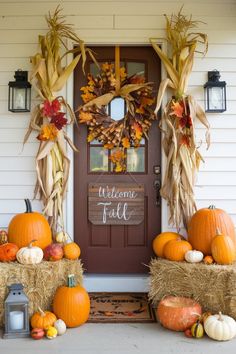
(115,203)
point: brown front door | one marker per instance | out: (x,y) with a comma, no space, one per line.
(117,248)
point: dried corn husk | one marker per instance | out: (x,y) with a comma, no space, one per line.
(48,77)
(182,159)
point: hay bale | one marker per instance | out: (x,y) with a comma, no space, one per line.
(213,286)
(40,281)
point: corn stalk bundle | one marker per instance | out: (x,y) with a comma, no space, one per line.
(48,118)
(179,117)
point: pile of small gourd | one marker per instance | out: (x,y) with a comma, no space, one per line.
(29,240)
(211,238)
(71,307)
(185,315)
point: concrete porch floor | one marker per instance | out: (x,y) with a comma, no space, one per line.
(118,339)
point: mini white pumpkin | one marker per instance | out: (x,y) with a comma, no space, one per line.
(193,256)
(220,327)
(62,237)
(30,254)
(60,327)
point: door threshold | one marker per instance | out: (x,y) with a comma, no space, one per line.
(116,282)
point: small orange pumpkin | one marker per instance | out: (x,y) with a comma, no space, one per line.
(8,252)
(71,250)
(29,226)
(175,250)
(71,303)
(42,319)
(161,240)
(208,260)
(223,249)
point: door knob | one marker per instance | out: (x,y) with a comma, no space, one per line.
(157,187)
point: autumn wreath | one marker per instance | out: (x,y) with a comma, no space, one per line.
(100,90)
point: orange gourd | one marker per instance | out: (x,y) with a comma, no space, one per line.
(175,250)
(202,228)
(160,241)
(8,252)
(71,303)
(29,226)
(71,251)
(178,313)
(223,249)
(42,319)
(208,260)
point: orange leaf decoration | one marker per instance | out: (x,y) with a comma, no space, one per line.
(108,146)
(138,131)
(177,109)
(126,142)
(123,74)
(140,110)
(85,116)
(48,132)
(145,101)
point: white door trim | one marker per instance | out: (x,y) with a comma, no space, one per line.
(111,282)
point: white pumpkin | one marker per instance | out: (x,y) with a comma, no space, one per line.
(62,237)
(193,256)
(220,327)
(29,255)
(60,327)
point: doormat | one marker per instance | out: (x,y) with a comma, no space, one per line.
(120,307)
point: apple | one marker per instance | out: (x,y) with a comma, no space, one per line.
(37,333)
(53,252)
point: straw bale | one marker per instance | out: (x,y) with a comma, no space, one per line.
(213,286)
(40,281)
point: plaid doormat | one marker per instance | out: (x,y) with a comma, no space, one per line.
(120,307)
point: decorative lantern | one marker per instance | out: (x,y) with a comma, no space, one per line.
(215,93)
(19,97)
(16,313)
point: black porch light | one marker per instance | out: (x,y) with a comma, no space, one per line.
(19,96)
(215,93)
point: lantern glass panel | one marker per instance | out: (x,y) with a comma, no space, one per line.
(216,98)
(17,321)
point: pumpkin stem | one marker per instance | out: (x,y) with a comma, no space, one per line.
(218,231)
(220,316)
(31,243)
(28,206)
(71,281)
(212,207)
(42,313)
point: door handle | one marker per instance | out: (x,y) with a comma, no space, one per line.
(157,187)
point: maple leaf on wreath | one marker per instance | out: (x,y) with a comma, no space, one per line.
(138,130)
(126,143)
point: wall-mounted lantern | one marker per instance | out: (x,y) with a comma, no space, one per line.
(16,313)
(215,93)
(19,96)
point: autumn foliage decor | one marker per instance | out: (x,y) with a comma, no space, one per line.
(179,116)
(53,114)
(117,135)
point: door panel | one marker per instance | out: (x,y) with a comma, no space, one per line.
(117,248)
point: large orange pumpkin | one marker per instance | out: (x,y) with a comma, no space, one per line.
(175,250)
(71,303)
(223,249)
(29,226)
(178,313)
(8,252)
(203,225)
(160,241)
